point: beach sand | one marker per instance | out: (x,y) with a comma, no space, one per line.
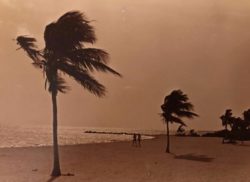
(192,159)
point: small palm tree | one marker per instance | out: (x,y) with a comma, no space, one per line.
(246,115)
(65,52)
(180,131)
(175,107)
(226,118)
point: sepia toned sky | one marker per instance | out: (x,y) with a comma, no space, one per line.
(199,46)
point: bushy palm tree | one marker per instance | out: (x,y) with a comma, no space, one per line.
(65,52)
(175,107)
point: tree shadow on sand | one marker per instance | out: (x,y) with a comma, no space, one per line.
(194,157)
(242,144)
(53,178)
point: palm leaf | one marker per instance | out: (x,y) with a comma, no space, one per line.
(83,78)
(163,117)
(28,45)
(176,96)
(171,119)
(69,32)
(174,119)
(98,55)
(187,114)
(61,85)
(58,85)
(77,27)
(185,106)
(91,59)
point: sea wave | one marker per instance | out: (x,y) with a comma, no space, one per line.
(33,136)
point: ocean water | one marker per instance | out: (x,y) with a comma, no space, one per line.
(33,136)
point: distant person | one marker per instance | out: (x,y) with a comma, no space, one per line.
(139,140)
(134,140)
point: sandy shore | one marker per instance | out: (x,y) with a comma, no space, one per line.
(193,159)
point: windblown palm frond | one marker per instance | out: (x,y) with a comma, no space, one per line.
(78,28)
(176,105)
(91,59)
(176,96)
(172,119)
(98,55)
(184,105)
(69,32)
(185,113)
(60,85)
(28,45)
(82,77)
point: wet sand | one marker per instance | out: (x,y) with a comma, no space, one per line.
(192,159)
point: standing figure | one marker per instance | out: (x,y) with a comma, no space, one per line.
(134,140)
(139,140)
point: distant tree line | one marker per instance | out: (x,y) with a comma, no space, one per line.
(236,128)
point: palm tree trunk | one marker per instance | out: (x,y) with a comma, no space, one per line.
(168,141)
(56,165)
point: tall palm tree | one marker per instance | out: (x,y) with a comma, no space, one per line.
(226,118)
(175,107)
(65,52)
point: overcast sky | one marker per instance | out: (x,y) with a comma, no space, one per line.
(199,46)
